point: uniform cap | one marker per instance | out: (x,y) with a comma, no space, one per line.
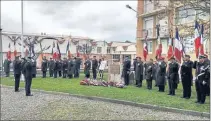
(187,56)
(172,58)
(202,56)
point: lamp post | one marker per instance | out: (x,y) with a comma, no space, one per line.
(1,53)
(22,55)
(129,7)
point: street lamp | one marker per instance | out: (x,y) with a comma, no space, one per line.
(1,53)
(22,76)
(129,7)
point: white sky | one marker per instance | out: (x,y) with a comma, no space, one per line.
(104,20)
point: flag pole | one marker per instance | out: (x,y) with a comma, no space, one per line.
(22,55)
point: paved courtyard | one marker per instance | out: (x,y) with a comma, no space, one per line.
(41,106)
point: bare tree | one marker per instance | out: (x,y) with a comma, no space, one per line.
(185,8)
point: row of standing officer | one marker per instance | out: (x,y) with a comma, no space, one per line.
(65,68)
(158,72)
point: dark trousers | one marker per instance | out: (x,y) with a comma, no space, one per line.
(70,76)
(17,81)
(33,75)
(176,85)
(76,73)
(201,91)
(207,90)
(101,74)
(161,88)
(51,73)
(172,86)
(149,83)
(60,73)
(126,78)
(7,74)
(186,84)
(28,85)
(94,71)
(43,74)
(87,75)
(55,73)
(64,73)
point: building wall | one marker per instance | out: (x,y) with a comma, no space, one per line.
(165,24)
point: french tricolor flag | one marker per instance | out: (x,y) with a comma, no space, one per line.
(197,39)
(145,49)
(201,50)
(9,52)
(177,47)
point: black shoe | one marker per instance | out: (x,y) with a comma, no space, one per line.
(196,101)
(187,97)
(173,95)
(201,102)
(169,94)
(182,97)
(29,95)
(17,90)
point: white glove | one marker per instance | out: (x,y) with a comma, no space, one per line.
(128,72)
(204,82)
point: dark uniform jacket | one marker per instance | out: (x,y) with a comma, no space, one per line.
(78,63)
(87,67)
(64,65)
(51,64)
(161,73)
(94,64)
(139,70)
(17,67)
(7,65)
(154,68)
(44,65)
(34,67)
(149,67)
(73,65)
(134,64)
(70,67)
(59,65)
(202,68)
(186,71)
(28,69)
(173,72)
(126,67)
(55,65)
(23,62)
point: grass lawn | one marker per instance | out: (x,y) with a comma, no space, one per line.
(130,93)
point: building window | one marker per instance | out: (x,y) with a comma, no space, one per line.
(188,44)
(149,46)
(148,25)
(148,6)
(108,50)
(99,49)
(164,43)
(116,57)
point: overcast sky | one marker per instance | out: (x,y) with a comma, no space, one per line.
(103,20)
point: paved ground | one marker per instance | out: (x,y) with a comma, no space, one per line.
(57,107)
